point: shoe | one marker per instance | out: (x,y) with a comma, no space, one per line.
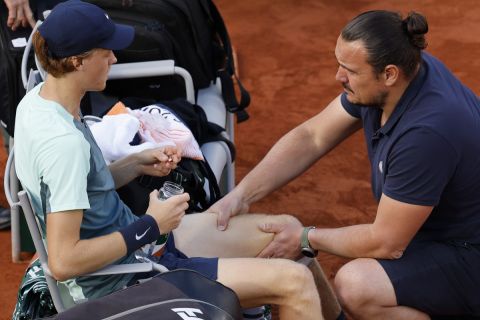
(5,218)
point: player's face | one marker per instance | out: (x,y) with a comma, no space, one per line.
(96,67)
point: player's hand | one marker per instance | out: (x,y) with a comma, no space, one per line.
(159,161)
(167,213)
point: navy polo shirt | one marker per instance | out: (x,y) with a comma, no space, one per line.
(428,152)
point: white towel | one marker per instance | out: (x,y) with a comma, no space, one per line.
(114,133)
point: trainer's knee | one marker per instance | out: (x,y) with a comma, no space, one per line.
(352,285)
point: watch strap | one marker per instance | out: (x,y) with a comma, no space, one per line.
(304,243)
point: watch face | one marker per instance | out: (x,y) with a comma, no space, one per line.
(309,252)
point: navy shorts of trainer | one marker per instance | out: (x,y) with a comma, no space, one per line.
(438,278)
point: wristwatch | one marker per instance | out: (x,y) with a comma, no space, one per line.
(307,250)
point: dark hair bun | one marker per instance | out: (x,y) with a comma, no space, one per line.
(416,27)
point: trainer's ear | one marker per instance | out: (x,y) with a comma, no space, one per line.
(391,74)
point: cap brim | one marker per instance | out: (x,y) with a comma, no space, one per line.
(120,39)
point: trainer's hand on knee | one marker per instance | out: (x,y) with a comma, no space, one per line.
(227,207)
(285,243)
(168,213)
(19,14)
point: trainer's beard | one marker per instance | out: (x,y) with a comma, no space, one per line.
(377,101)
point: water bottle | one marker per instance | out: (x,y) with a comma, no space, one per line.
(168,190)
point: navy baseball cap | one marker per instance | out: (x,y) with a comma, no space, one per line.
(74,27)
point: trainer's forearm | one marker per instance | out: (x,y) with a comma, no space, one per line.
(358,241)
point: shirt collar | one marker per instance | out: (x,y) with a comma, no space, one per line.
(405,101)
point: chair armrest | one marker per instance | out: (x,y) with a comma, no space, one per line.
(118,269)
(211,101)
(217,155)
(123,268)
(129,268)
(142,69)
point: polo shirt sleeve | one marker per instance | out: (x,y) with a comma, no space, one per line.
(64,165)
(352,109)
(419,167)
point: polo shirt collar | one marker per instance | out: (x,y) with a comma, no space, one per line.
(405,101)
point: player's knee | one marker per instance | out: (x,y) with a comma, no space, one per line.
(352,287)
(298,280)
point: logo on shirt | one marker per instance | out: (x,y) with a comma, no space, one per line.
(380,166)
(138,237)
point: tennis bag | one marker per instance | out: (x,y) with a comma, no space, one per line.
(11,86)
(12,46)
(173,295)
(191,32)
(191,174)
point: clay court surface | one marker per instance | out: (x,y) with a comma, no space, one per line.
(286,55)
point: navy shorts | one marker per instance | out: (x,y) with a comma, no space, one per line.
(437,278)
(172,259)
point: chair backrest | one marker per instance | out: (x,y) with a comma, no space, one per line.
(23,200)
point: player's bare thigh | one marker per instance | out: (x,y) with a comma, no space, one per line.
(197,235)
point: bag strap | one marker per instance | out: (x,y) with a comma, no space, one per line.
(214,189)
(228,93)
(196,172)
(228,73)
